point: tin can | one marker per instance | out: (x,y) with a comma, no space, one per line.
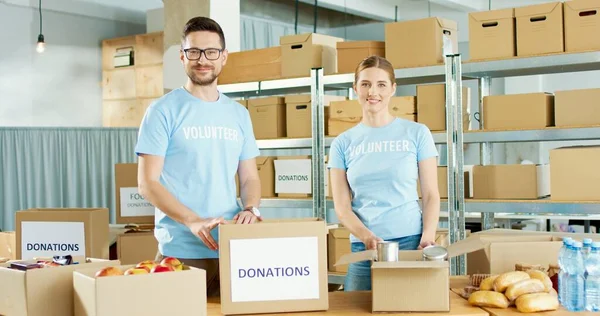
(387,251)
(435,253)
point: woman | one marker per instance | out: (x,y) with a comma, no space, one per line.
(374,169)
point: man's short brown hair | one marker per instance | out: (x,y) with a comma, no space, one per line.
(201,23)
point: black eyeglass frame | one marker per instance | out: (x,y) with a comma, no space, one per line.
(202,51)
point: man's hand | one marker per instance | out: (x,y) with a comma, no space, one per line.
(371,242)
(246,217)
(202,228)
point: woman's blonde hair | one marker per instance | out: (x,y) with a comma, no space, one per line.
(375,62)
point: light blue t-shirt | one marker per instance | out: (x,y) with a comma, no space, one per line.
(202,143)
(382,169)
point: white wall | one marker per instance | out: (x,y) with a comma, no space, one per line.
(62,86)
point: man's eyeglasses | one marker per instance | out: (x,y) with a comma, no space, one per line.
(196,53)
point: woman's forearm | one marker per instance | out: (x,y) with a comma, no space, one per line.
(349,219)
(431,217)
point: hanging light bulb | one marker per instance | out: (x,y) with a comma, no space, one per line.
(41,45)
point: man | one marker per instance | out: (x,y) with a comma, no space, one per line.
(191,143)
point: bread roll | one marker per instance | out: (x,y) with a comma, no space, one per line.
(524,287)
(537,302)
(542,276)
(488,283)
(507,279)
(488,299)
(476,279)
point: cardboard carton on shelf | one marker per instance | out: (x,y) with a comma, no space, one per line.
(442,176)
(429,289)
(302,52)
(576,107)
(252,65)
(540,29)
(268,117)
(518,111)
(492,34)
(343,115)
(574,173)
(511,181)
(422,42)
(45,291)
(431,106)
(350,54)
(299,114)
(142,294)
(582,19)
(275,266)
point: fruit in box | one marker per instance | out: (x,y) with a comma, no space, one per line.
(109,271)
(162,268)
(147,264)
(174,262)
(135,270)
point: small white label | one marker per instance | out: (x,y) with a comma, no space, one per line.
(47,239)
(274,269)
(134,204)
(293,176)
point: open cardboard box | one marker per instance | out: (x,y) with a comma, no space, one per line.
(44,291)
(411,284)
(167,293)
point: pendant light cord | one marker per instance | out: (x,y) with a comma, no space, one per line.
(40,8)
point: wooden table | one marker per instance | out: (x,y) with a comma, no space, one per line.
(359,303)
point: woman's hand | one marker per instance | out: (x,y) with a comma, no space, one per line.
(426,241)
(371,242)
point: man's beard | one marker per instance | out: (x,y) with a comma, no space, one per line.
(205,81)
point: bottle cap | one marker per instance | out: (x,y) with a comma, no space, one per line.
(568,241)
(596,244)
(577,244)
(587,241)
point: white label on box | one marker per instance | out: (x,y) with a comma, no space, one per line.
(274,269)
(293,176)
(134,204)
(47,239)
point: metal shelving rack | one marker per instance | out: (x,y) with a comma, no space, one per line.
(453,72)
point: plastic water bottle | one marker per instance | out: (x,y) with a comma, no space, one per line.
(575,299)
(592,280)
(587,247)
(562,256)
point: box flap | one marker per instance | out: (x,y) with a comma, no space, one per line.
(367,255)
(294,39)
(298,98)
(494,15)
(266,101)
(360,44)
(465,246)
(539,9)
(583,5)
(447,24)
(262,160)
(340,233)
(410,265)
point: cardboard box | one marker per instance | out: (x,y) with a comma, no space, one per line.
(252,65)
(299,114)
(243,103)
(131,206)
(540,29)
(142,294)
(8,241)
(302,52)
(511,181)
(62,231)
(442,176)
(575,174)
(431,106)
(343,115)
(442,236)
(268,117)
(46,292)
(421,42)
(429,289)
(401,106)
(338,244)
(351,54)
(492,34)
(518,111)
(293,176)
(135,247)
(582,20)
(576,107)
(274,266)
(266,172)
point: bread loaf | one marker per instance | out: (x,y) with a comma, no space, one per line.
(476,279)
(505,280)
(488,299)
(524,287)
(537,302)
(488,283)
(542,276)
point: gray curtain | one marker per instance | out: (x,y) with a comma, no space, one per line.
(60,167)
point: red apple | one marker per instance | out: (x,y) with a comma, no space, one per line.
(109,271)
(146,264)
(134,270)
(162,268)
(173,262)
